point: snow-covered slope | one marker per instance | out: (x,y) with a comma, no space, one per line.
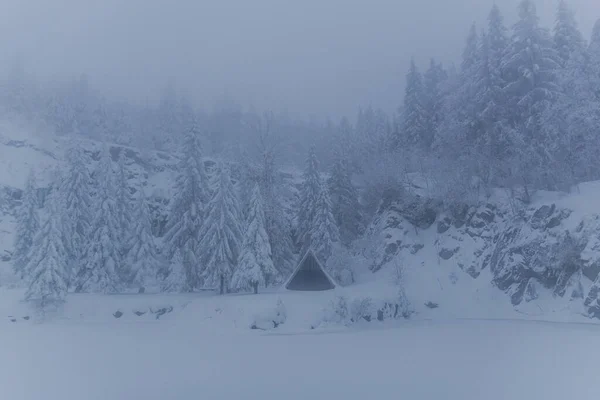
(545,256)
(499,259)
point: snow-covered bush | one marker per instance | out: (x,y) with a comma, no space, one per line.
(342,311)
(341,265)
(270,318)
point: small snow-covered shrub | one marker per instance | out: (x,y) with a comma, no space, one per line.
(341,265)
(362,308)
(270,318)
(337,312)
(342,311)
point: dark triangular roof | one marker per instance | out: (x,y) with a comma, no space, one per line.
(312,274)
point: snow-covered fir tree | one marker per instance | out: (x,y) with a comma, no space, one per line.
(277,224)
(324,233)
(414,118)
(75,190)
(142,256)
(530,67)
(255,267)
(567,37)
(104,270)
(123,200)
(176,280)
(188,209)
(309,195)
(221,234)
(48,264)
(344,199)
(433,96)
(28,225)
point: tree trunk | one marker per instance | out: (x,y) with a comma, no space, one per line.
(222,285)
(255,286)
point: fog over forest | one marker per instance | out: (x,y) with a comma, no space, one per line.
(323,58)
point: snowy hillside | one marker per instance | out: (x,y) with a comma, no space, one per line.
(545,256)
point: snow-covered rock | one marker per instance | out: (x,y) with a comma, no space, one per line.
(552,244)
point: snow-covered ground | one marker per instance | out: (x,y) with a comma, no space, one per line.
(205,349)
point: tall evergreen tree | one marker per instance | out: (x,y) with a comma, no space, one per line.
(530,67)
(567,37)
(103,271)
(28,225)
(309,195)
(123,200)
(142,255)
(344,198)
(255,267)
(276,222)
(325,231)
(414,118)
(188,209)
(221,233)
(48,264)
(75,190)
(433,100)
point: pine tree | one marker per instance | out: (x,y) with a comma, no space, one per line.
(75,190)
(469,105)
(433,102)
(324,232)
(309,195)
(255,266)
(123,201)
(344,198)
(48,264)
(594,59)
(28,225)
(277,224)
(176,281)
(567,37)
(221,233)
(142,255)
(103,270)
(530,68)
(414,118)
(188,209)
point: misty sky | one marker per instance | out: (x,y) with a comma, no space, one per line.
(309,57)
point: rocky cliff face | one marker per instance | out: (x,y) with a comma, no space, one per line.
(551,245)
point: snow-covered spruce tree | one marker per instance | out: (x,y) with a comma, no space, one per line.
(433,96)
(176,281)
(221,234)
(344,198)
(255,266)
(103,271)
(142,255)
(188,209)
(530,68)
(123,201)
(75,191)
(324,232)
(277,224)
(28,225)
(48,264)
(567,37)
(571,122)
(309,195)
(492,145)
(413,114)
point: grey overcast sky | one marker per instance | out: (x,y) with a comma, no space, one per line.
(307,56)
